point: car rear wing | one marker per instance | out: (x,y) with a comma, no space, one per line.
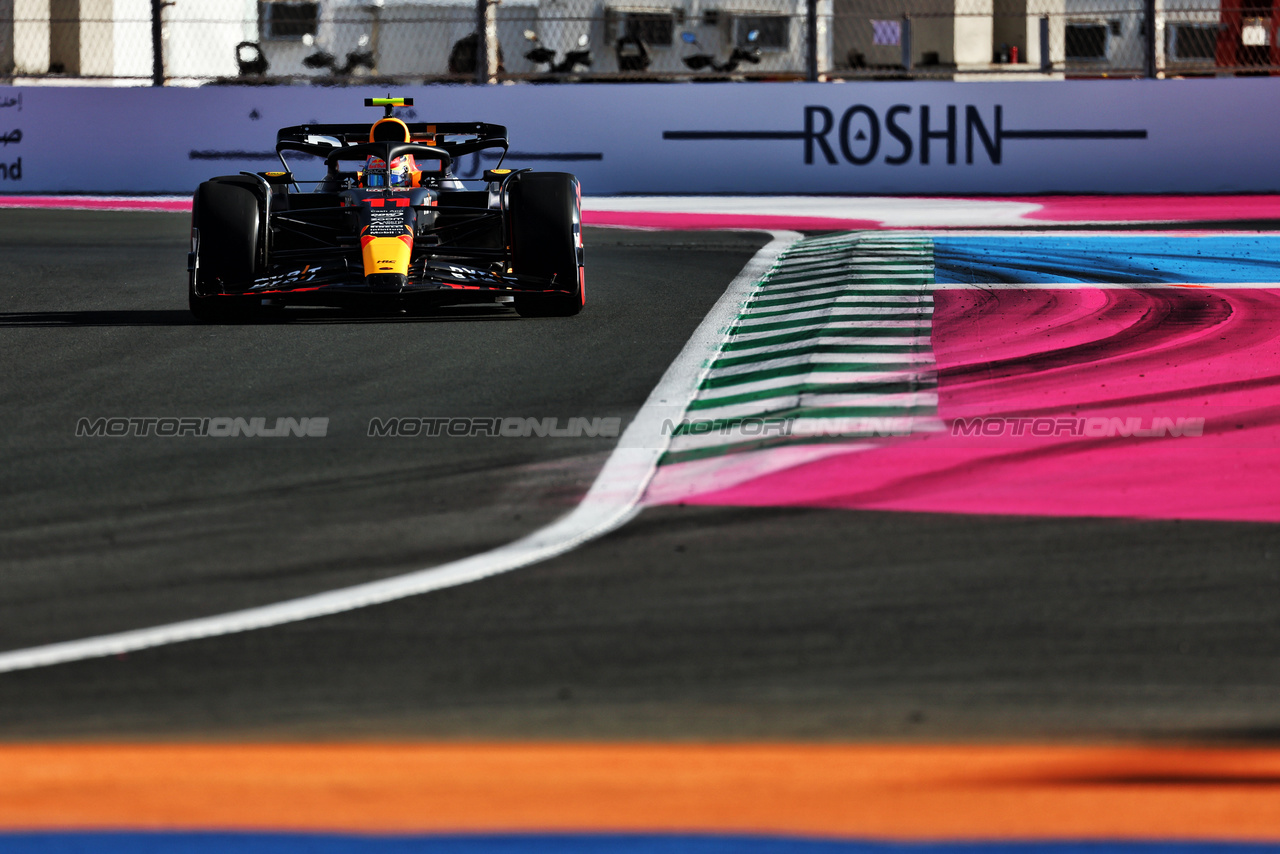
(455,138)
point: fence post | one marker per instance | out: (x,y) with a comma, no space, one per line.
(157,42)
(908,59)
(7,46)
(486,41)
(1149,36)
(1046,59)
(811,39)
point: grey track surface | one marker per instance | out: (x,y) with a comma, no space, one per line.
(705,623)
(105,534)
(688,623)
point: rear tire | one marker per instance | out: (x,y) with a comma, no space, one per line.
(226,219)
(546,241)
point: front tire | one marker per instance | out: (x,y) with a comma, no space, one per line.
(225,219)
(546,241)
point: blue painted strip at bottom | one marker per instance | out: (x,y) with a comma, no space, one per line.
(285,843)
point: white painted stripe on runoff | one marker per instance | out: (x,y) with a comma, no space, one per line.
(907,401)
(820,323)
(835,262)
(869,362)
(847,292)
(857,280)
(870,394)
(867,312)
(865,307)
(867,291)
(789,354)
(832,378)
(826,255)
(832,296)
(840,373)
(876,303)
(867,271)
(613,499)
(839,362)
(904,264)
(915,342)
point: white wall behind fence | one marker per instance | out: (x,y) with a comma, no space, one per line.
(1106,136)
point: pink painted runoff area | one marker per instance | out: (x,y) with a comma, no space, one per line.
(1062,356)
(692,221)
(1093,209)
(656,220)
(99,203)
(684,213)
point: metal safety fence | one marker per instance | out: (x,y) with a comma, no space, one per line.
(196,42)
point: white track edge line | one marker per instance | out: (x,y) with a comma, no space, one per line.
(613,500)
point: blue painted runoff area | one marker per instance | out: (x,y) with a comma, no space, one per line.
(1066,259)
(287,843)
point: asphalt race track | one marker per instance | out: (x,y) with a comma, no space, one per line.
(692,622)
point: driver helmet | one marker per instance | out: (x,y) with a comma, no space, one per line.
(399,176)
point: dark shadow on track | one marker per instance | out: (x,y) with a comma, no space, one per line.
(60,319)
(1205,779)
(1260,735)
(19,319)
(445,314)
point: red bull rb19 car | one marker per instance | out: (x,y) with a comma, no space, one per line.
(388,226)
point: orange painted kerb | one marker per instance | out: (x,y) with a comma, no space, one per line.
(887,792)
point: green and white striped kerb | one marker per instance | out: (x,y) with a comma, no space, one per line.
(833,344)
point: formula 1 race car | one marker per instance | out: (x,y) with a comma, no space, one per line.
(397,232)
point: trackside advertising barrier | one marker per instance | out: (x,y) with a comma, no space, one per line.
(927,138)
